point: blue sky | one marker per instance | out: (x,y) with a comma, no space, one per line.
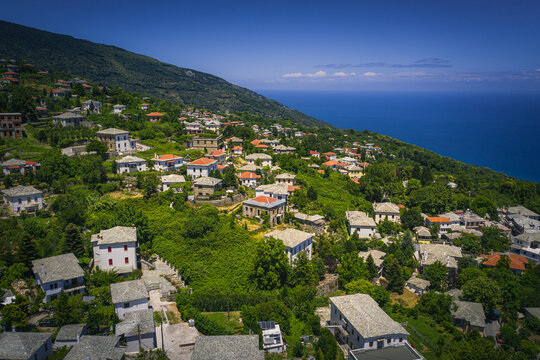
(317,45)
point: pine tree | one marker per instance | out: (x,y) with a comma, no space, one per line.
(63,310)
(73,240)
(371,267)
(27,251)
(393,274)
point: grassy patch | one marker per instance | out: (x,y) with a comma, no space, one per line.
(407,299)
(24,149)
(232,325)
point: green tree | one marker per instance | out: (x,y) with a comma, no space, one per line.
(27,251)
(303,272)
(73,240)
(469,274)
(378,293)
(411,218)
(352,268)
(63,313)
(97,146)
(312,193)
(148,184)
(426,177)
(436,305)
(394,274)
(271,266)
(14,315)
(493,240)
(483,290)
(371,268)
(436,274)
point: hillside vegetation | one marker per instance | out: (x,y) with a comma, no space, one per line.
(110,65)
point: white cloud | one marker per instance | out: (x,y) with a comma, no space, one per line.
(370,73)
(340,74)
(319,73)
(293,75)
(538,70)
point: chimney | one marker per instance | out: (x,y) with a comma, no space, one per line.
(78,338)
(42,269)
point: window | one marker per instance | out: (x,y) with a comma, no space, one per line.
(20,201)
(370,343)
(110,262)
(126,260)
(46,347)
(109,249)
(126,305)
(125,247)
(388,341)
(400,339)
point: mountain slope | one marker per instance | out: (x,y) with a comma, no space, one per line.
(111,65)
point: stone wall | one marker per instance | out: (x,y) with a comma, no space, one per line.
(328,286)
(222,202)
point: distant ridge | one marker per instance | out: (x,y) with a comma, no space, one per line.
(111,66)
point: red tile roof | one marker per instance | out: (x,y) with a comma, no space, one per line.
(216,153)
(11,73)
(262,146)
(202,161)
(221,167)
(86,86)
(154,114)
(329,153)
(320,171)
(313,152)
(264,199)
(438,219)
(10,79)
(166,157)
(256,142)
(517,262)
(248,175)
(237,148)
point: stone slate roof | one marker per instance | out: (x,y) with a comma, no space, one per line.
(470,311)
(258,156)
(227,347)
(14,162)
(250,167)
(128,291)
(377,256)
(129,159)
(280,189)
(405,352)
(206,181)
(308,218)
(418,282)
(290,237)
(451,216)
(285,176)
(366,316)
(112,131)
(446,254)
(359,218)
(22,191)
(422,231)
(140,321)
(70,332)
(534,311)
(173,179)
(21,345)
(385,207)
(521,210)
(115,235)
(96,348)
(59,267)
(455,293)
(68,115)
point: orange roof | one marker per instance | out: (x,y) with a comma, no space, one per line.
(329,153)
(216,153)
(517,262)
(154,114)
(320,171)
(11,72)
(331,163)
(262,146)
(221,167)
(57,91)
(248,175)
(364,164)
(41,109)
(144,104)
(313,152)
(10,79)
(256,142)
(166,157)
(86,86)
(264,199)
(202,161)
(292,188)
(438,219)
(237,148)
(356,180)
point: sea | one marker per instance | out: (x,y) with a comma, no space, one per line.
(500,131)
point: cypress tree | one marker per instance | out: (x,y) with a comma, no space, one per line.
(27,250)
(73,240)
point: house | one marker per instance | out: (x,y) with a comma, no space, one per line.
(376,255)
(237,150)
(359,322)
(7,297)
(448,255)
(250,167)
(168,162)
(354,171)
(272,337)
(11,125)
(444,224)
(96,348)
(276,191)
(193,128)
(129,296)
(468,316)
(205,186)
(262,147)
(454,218)
(336,165)
(15,166)
(117,141)
(532,312)
(207,143)
(23,198)
(522,224)
(201,167)
(117,109)
(213,125)
(314,154)
(168,180)
(10,74)
(130,164)
(115,249)
(25,345)
(523,211)
(145,106)
(286,179)
(92,106)
(518,263)
(59,273)
(527,245)
(295,241)
(330,155)
(361,223)
(274,208)
(387,353)
(265,159)
(423,235)
(386,211)
(154,117)
(315,221)
(69,335)
(417,285)
(249,179)
(9,80)
(69,119)
(218,155)
(282,149)
(137,330)
(470,220)
(256,142)
(59,93)
(227,347)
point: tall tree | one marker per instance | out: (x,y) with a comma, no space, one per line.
(436,274)
(27,251)
(303,272)
(271,266)
(394,274)
(73,240)
(371,267)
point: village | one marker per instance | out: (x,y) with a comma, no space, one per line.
(373,258)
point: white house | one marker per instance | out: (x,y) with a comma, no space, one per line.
(23,198)
(57,273)
(266,160)
(237,150)
(362,324)
(386,211)
(376,255)
(116,140)
(444,223)
(286,179)
(138,330)
(115,249)
(117,109)
(15,166)
(145,106)
(276,191)
(25,345)
(129,296)
(201,167)
(130,164)
(528,245)
(295,241)
(249,179)
(93,105)
(272,337)
(167,162)
(172,179)
(359,222)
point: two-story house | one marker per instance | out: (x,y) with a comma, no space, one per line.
(249,179)
(359,222)
(218,155)
(16,166)
(444,224)
(168,162)
(528,245)
(274,208)
(57,273)
(117,109)
(205,186)
(138,331)
(265,159)
(386,211)
(295,241)
(115,249)
(286,179)
(207,143)
(129,296)
(11,125)
(23,198)
(130,164)
(69,119)
(201,167)
(116,140)
(25,345)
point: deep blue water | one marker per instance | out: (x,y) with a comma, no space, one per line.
(495,130)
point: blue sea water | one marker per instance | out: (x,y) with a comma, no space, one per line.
(495,130)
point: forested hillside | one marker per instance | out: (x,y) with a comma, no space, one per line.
(111,66)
